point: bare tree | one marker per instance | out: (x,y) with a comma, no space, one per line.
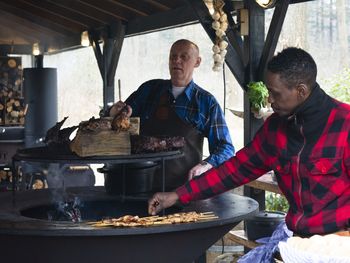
(331,18)
(294,32)
(342,33)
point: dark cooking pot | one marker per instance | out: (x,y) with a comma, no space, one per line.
(138,177)
(263,224)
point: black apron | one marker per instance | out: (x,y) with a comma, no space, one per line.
(165,122)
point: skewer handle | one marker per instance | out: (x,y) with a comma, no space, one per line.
(119,90)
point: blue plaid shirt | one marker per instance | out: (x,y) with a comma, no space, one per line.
(195,106)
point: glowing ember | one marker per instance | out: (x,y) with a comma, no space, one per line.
(66,211)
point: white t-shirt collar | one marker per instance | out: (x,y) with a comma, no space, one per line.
(176,91)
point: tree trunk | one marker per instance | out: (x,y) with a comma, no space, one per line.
(342,33)
(331,18)
(294,32)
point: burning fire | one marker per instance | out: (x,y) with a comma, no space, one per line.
(68,210)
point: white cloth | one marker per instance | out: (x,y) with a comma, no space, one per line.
(321,249)
(177,91)
(265,252)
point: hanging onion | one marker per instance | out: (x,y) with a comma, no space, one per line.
(220,25)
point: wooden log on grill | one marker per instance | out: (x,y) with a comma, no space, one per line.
(101,143)
(104,142)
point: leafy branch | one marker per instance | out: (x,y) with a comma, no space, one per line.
(340,86)
(257,95)
(276,202)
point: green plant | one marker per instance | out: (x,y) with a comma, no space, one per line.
(276,202)
(257,95)
(340,86)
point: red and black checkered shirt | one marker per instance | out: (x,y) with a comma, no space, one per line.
(310,155)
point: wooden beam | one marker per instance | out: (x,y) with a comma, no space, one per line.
(240,237)
(63,44)
(254,47)
(169,19)
(29,31)
(234,37)
(265,183)
(132,5)
(33,19)
(158,5)
(273,35)
(95,43)
(18,21)
(20,36)
(110,8)
(66,13)
(45,15)
(86,10)
(15,49)
(253,44)
(107,60)
(142,7)
(118,39)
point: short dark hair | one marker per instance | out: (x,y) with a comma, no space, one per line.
(295,66)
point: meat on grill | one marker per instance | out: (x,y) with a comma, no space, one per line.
(153,144)
(121,122)
(92,125)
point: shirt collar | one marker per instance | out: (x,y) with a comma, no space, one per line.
(313,107)
(190,89)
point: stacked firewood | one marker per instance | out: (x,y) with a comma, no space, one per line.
(15,111)
(12,110)
(11,100)
(5,176)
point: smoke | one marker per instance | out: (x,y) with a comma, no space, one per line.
(67,208)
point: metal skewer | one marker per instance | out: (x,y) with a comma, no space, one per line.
(119,90)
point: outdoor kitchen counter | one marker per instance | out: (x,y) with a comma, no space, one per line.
(24,224)
(40,240)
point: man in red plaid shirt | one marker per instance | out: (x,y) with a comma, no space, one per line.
(305,142)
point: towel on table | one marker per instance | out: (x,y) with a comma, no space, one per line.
(265,252)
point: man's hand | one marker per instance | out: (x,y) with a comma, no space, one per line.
(199,169)
(160,201)
(117,107)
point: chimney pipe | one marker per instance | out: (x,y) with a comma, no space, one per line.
(39,61)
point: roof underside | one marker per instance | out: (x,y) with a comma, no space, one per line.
(57,24)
